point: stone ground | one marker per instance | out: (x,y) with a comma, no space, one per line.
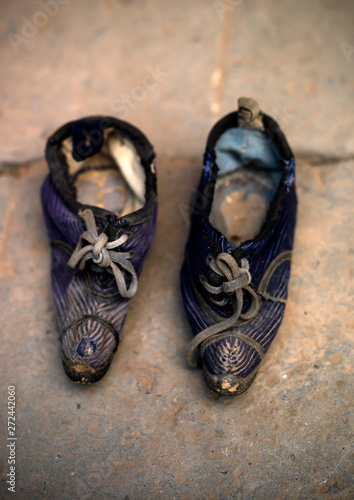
(151,429)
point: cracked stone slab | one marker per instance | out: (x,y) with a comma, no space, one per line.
(134,60)
(172,68)
(151,428)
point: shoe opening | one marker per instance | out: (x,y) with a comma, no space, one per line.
(113,178)
(249,173)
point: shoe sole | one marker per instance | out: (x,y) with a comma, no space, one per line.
(84,374)
(229,385)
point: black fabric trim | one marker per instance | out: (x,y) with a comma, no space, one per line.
(60,172)
(88,139)
(109,296)
(61,245)
(273,130)
(228,121)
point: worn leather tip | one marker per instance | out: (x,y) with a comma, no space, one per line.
(228,384)
(84,374)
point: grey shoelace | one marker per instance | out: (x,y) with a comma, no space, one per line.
(100,252)
(238,280)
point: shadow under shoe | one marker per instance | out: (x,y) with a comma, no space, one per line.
(87,349)
(229,364)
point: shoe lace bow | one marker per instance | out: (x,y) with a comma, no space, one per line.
(101,252)
(238,279)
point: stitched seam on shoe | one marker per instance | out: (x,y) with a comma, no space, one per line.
(101,295)
(96,318)
(273,266)
(211,314)
(62,245)
(245,338)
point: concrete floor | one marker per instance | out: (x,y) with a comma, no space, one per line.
(151,429)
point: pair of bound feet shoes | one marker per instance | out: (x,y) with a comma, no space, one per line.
(100,206)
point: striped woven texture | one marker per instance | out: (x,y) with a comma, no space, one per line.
(90,317)
(230,354)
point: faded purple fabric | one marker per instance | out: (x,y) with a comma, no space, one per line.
(89,314)
(231,354)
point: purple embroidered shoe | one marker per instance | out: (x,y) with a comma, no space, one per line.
(235,275)
(100,205)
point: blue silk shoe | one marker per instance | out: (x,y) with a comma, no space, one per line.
(100,205)
(236,271)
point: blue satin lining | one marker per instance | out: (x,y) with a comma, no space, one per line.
(238,147)
(245,150)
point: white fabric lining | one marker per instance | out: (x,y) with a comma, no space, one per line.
(117,153)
